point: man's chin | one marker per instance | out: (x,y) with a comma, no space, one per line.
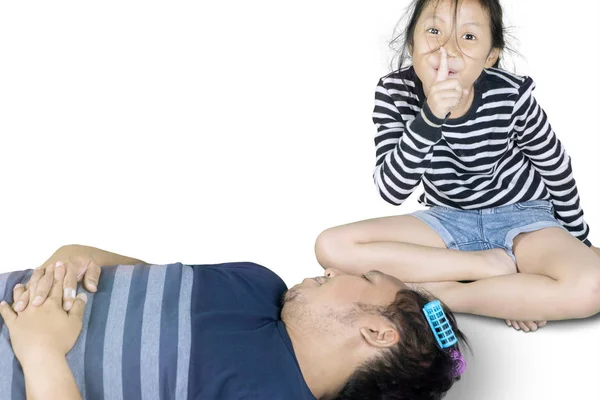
(291,294)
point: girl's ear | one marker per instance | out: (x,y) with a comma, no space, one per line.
(492,58)
(410,49)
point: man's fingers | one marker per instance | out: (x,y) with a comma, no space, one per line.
(18,290)
(20,298)
(7,314)
(58,277)
(36,276)
(92,276)
(69,287)
(44,286)
(79,306)
(541,324)
(442,73)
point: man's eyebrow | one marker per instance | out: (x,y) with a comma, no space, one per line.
(443,20)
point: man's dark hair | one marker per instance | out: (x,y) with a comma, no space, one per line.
(416,368)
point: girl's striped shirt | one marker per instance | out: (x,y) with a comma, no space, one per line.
(502,151)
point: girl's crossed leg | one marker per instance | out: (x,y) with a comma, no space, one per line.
(559,279)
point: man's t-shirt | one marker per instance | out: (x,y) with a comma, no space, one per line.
(240,347)
(175,332)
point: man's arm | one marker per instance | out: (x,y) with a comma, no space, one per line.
(82,263)
(42,336)
(100,257)
(48,377)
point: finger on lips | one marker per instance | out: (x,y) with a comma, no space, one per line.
(442,72)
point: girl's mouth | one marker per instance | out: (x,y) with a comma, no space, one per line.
(450,72)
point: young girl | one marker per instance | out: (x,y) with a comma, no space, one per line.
(498,182)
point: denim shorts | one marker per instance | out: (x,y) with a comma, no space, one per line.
(491,228)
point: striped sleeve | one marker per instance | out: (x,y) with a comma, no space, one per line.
(403,151)
(538,142)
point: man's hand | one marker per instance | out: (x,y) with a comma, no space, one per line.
(78,268)
(46,329)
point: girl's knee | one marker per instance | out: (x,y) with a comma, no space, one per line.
(584,298)
(329,247)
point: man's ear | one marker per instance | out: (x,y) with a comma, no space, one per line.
(380,334)
(492,58)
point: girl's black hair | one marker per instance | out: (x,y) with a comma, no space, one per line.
(401,41)
(416,368)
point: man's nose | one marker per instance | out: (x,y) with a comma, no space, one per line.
(332,272)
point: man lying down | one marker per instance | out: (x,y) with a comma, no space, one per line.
(228,331)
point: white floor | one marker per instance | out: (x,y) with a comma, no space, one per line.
(557,362)
(222,131)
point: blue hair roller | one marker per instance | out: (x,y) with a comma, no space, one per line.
(439,324)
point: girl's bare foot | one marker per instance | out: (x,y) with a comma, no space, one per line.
(526,326)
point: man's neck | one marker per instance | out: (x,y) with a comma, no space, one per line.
(324,366)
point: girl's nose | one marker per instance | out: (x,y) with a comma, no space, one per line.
(332,272)
(450,50)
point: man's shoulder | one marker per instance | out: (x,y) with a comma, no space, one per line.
(243,285)
(241,270)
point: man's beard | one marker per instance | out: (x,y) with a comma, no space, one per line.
(297,308)
(289,295)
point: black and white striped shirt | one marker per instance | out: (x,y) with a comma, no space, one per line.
(502,151)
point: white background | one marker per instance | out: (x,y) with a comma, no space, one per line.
(238,130)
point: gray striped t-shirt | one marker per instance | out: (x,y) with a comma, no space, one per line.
(139,333)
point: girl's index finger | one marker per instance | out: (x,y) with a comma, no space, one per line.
(442,73)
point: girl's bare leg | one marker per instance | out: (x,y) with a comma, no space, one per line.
(559,279)
(407,248)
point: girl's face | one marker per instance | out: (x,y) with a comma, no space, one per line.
(469,43)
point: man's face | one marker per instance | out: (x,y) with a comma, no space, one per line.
(335,295)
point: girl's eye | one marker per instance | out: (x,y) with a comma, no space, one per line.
(469,36)
(433,31)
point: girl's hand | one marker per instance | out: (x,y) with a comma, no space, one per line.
(46,329)
(445,94)
(77,268)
